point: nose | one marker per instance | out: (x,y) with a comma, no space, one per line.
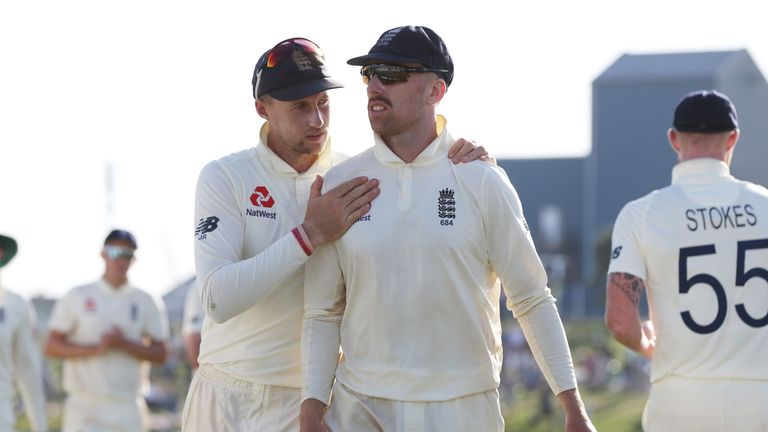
(317,118)
(374,85)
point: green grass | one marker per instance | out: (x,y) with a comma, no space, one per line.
(609,411)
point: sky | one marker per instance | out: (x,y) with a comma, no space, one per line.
(109,109)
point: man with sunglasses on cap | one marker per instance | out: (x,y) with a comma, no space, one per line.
(259,214)
(411,291)
(700,248)
(106,332)
(20,358)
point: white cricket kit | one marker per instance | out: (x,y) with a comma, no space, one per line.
(412,290)
(192,320)
(87,312)
(20,361)
(701,246)
(250,264)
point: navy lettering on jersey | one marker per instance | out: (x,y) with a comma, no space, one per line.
(720,217)
(261,214)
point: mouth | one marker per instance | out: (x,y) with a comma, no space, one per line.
(316,135)
(377,105)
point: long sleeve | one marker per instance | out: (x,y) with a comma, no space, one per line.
(324,303)
(229,284)
(516,262)
(27,358)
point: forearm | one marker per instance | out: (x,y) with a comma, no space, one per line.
(154,352)
(546,338)
(622,317)
(230,288)
(30,382)
(319,357)
(192,348)
(67,350)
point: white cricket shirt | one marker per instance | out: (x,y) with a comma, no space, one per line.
(250,266)
(87,312)
(701,246)
(413,286)
(20,357)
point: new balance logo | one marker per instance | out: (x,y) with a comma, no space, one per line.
(206,225)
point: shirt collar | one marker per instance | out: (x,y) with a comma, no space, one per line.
(106,287)
(700,170)
(436,150)
(273,162)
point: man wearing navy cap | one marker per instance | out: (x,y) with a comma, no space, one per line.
(700,249)
(411,291)
(106,332)
(259,214)
(20,357)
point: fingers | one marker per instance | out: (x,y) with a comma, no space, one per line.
(361,205)
(360,191)
(317,186)
(344,188)
(459,149)
(475,154)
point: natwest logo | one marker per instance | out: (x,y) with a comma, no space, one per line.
(260,197)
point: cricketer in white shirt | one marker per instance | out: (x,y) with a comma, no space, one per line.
(411,291)
(107,389)
(701,248)
(20,361)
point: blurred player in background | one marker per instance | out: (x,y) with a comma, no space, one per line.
(107,332)
(20,357)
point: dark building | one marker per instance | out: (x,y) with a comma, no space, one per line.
(576,200)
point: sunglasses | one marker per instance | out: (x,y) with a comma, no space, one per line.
(117,252)
(390,74)
(282,51)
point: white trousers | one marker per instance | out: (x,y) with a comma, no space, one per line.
(351,411)
(680,405)
(222,403)
(86,413)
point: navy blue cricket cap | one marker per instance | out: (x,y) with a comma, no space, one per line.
(9,248)
(124,235)
(705,111)
(410,44)
(291,70)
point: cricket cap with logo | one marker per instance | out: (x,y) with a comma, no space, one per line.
(705,111)
(291,70)
(9,248)
(410,44)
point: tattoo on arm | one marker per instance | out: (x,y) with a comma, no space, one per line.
(631,285)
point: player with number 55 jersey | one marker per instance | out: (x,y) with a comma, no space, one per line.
(700,249)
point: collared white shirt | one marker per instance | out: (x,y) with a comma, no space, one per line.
(413,287)
(701,246)
(87,312)
(20,357)
(249,265)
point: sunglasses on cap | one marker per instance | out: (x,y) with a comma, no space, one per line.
(389,74)
(282,51)
(116,252)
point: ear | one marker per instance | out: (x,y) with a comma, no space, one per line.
(733,137)
(674,140)
(437,92)
(261,109)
